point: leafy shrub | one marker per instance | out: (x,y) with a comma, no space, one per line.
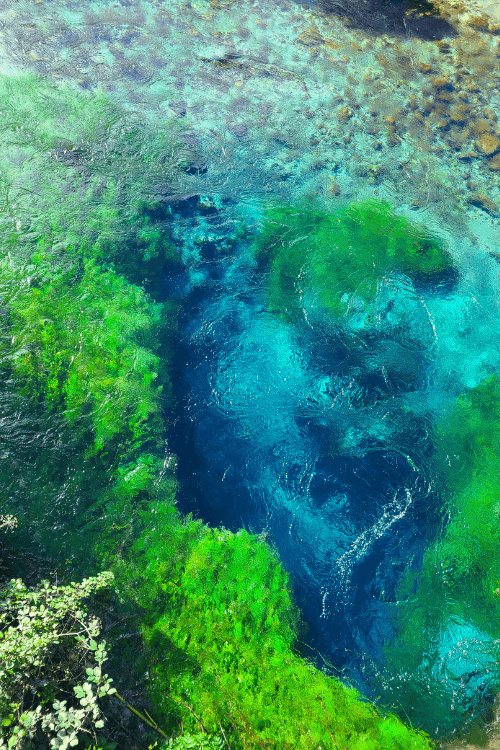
(51,665)
(196,742)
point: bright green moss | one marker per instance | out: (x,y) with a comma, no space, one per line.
(327,259)
(223,635)
(85,344)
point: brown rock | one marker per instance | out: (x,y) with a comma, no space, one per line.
(459,114)
(335,187)
(494,163)
(482,201)
(488,144)
(344,113)
(441,109)
(443,124)
(442,82)
(490,114)
(412,102)
(444,96)
(427,106)
(481,126)
(458,139)
(425,68)
(393,139)
(467,156)
(311,37)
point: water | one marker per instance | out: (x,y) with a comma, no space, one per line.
(317,430)
(325,447)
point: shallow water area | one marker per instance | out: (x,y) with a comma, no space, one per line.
(320,423)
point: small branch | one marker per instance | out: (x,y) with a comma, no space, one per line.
(221,729)
(151,724)
(189,709)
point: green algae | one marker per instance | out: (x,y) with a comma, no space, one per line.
(328,259)
(84,347)
(456,584)
(468,456)
(85,342)
(80,176)
(466,557)
(237,666)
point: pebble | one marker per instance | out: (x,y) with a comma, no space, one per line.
(488,144)
(482,201)
(494,164)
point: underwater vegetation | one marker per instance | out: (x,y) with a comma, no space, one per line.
(85,353)
(454,595)
(315,258)
(238,665)
(81,177)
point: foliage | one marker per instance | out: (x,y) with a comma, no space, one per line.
(8,522)
(51,665)
(333,257)
(196,742)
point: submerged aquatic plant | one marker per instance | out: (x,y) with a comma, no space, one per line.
(223,636)
(83,348)
(81,176)
(332,258)
(452,596)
